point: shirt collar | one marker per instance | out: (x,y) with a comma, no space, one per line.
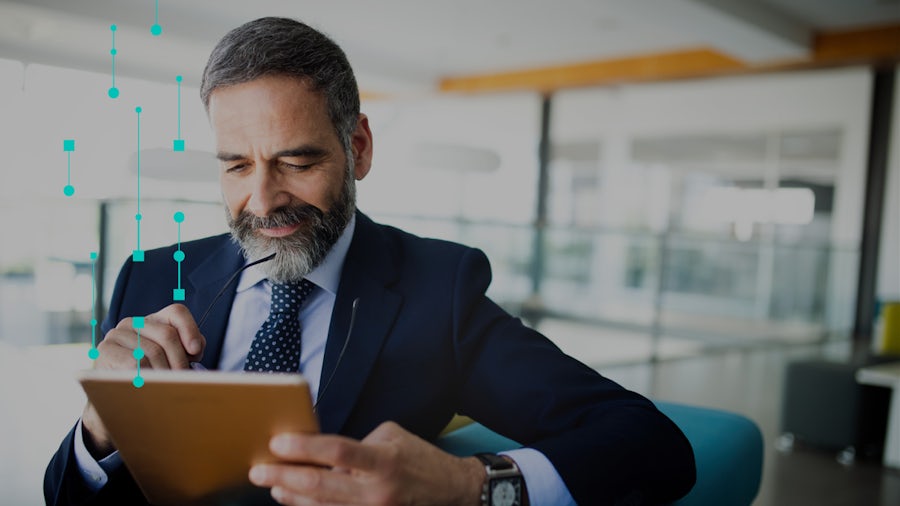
(328,273)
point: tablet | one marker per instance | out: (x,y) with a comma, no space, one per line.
(190,437)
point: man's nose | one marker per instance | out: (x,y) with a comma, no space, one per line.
(268,193)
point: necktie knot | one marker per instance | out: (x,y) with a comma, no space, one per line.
(287,298)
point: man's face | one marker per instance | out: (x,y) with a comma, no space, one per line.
(288,185)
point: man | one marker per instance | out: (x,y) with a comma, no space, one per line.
(397,333)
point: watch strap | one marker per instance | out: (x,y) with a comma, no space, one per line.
(496,467)
(493,462)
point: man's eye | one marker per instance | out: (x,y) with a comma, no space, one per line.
(236,168)
(296,167)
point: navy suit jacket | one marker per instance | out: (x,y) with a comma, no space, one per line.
(426,343)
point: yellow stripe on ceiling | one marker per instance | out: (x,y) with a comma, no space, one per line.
(870,45)
(847,47)
(674,65)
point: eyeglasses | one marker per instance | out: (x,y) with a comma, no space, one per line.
(198,366)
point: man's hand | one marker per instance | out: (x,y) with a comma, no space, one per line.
(389,466)
(170,339)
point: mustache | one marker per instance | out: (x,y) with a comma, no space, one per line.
(281,217)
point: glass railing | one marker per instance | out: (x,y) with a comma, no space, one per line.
(709,289)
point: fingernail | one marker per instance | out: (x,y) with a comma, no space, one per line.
(280,443)
(258,474)
(194,347)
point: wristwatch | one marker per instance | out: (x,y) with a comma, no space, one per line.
(503,484)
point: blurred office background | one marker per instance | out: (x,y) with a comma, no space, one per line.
(684,194)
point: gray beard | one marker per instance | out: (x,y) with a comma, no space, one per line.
(298,254)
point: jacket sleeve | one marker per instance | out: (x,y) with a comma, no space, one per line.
(609,445)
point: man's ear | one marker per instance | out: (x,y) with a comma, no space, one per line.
(361,143)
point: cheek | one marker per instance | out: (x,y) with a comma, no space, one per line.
(231,195)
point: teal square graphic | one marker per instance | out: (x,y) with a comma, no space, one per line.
(178,145)
(178,294)
(69,145)
(137,322)
(137,255)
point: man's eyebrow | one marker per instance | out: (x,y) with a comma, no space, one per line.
(229,157)
(299,152)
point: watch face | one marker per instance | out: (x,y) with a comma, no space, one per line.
(504,493)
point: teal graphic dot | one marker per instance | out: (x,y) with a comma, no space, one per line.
(156,29)
(138,382)
(93,323)
(138,110)
(112,27)
(69,190)
(178,256)
(178,78)
(138,217)
(93,255)
(179,217)
(93,353)
(113,51)
(113,92)
(138,354)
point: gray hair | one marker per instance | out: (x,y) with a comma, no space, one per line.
(282,46)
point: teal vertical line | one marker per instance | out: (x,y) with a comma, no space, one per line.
(156,15)
(179,109)
(93,301)
(113,52)
(139,216)
(139,161)
(69,167)
(179,249)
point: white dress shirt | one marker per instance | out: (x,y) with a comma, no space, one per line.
(248,312)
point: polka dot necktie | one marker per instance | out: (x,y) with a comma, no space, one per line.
(276,347)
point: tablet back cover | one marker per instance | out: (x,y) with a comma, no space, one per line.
(189,437)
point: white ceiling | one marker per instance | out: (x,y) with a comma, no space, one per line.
(409,45)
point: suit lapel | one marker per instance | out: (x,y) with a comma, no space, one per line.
(368,271)
(207,279)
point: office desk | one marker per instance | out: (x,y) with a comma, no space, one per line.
(887,375)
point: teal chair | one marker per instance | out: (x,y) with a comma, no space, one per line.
(728,449)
